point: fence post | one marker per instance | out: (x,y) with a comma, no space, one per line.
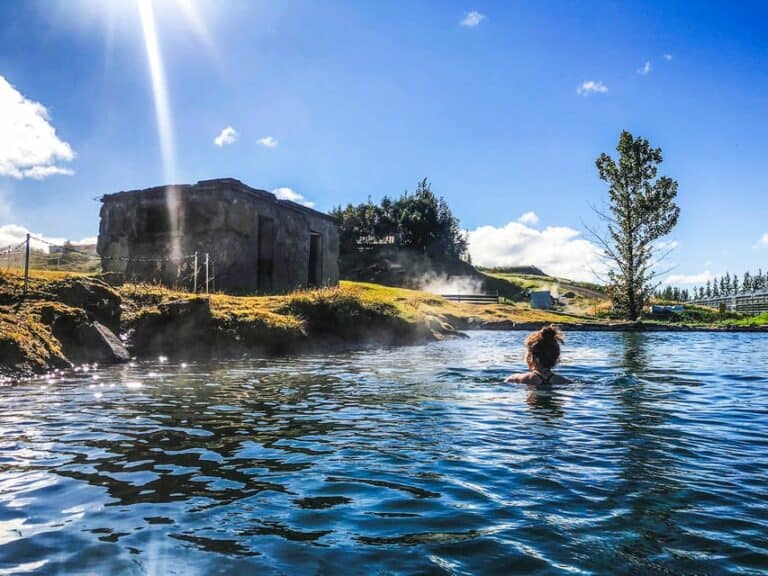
(26,266)
(194,276)
(206,272)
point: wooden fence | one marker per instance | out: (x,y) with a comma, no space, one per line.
(483,298)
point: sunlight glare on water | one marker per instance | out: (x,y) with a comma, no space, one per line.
(403,460)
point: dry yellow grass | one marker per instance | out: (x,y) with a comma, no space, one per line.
(27,342)
(36,274)
(408,305)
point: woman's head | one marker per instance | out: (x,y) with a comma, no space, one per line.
(543,347)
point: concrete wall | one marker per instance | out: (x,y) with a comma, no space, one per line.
(149,235)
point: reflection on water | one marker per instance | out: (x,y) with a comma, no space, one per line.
(635,352)
(409,460)
(547,401)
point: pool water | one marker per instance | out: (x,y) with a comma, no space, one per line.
(413,460)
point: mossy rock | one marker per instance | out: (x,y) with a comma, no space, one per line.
(343,316)
(183,325)
(27,345)
(97,298)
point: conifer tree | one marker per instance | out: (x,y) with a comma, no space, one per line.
(642,210)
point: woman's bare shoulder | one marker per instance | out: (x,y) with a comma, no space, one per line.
(522,378)
(532,378)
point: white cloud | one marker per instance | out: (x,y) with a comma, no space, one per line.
(591,87)
(666,245)
(645,69)
(689,279)
(14,234)
(227,136)
(41,172)
(557,250)
(667,57)
(268,142)
(11,234)
(529,218)
(29,147)
(763,240)
(292,196)
(472,19)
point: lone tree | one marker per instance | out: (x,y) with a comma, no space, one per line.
(642,209)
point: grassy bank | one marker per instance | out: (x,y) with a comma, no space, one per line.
(156,320)
(759,320)
(352,313)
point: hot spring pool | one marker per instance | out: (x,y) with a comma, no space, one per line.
(401,460)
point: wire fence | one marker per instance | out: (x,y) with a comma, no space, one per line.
(191,272)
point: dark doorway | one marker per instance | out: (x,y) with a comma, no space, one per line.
(156,220)
(315,263)
(266,256)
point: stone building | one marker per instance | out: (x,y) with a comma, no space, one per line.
(255,242)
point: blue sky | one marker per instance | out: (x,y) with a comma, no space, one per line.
(359,99)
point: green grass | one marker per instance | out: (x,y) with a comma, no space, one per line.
(351,312)
(348,311)
(759,320)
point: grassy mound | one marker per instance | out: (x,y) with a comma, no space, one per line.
(168,321)
(27,344)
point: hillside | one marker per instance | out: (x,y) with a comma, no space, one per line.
(577,297)
(399,267)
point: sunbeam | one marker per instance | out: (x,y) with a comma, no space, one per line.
(164,120)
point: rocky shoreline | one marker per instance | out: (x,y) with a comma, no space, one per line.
(85,320)
(63,323)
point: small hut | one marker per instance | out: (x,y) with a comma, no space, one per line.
(542,300)
(254,241)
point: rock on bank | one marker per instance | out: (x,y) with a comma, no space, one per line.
(60,323)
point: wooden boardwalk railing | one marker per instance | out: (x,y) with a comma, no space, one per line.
(484,298)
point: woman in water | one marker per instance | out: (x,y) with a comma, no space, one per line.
(542,354)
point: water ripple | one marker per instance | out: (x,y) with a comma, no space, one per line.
(397,460)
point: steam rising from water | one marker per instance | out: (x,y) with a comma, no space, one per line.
(443,284)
